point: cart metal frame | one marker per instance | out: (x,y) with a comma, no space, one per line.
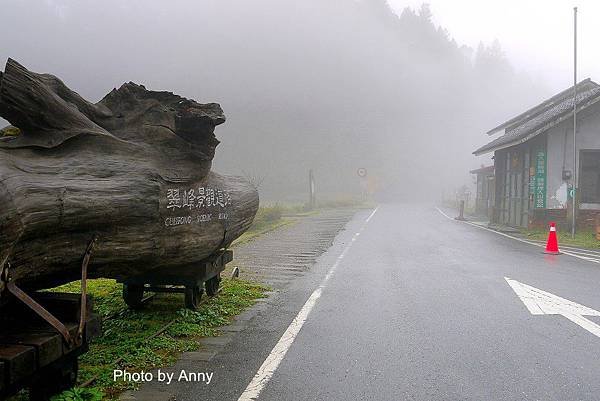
(33,354)
(190,280)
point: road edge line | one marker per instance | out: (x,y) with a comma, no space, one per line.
(271,363)
(516,238)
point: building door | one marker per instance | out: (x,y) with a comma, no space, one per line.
(516,188)
(514,202)
(491,184)
(505,191)
(589,176)
(517,198)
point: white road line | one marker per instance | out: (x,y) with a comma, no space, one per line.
(584,323)
(270,365)
(575,255)
(371,215)
(583,252)
(488,229)
(444,214)
(578,250)
(570,253)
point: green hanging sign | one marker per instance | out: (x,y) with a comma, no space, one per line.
(539,194)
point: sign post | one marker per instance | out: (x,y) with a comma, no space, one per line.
(362,174)
(311,190)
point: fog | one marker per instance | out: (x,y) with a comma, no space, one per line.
(328,85)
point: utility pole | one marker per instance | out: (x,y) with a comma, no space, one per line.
(311,190)
(575,172)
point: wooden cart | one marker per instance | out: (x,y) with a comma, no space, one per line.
(42,334)
(33,354)
(189,280)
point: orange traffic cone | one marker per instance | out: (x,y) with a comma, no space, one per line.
(552,244)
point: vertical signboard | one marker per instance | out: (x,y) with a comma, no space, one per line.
(539,200)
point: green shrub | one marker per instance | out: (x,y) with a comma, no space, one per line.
(269,214)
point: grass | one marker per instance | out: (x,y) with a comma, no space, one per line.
(269,218)
(272,217)
(583,239)
(261,229)
(127,335)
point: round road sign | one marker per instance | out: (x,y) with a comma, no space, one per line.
(362,172)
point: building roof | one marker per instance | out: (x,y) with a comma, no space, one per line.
(582,86)
(483,170)
(542,117)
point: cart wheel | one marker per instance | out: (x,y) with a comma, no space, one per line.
(133,295)
(55,381)
(192,297)
(212,285)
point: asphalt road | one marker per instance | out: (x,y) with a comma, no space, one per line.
(418,308)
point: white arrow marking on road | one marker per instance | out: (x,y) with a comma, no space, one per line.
(543,303)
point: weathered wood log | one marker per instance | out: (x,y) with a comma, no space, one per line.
(133,170)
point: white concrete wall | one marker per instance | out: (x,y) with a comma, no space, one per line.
(588,137)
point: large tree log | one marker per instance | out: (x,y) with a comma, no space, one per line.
(133,170)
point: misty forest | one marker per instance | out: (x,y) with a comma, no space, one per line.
(331,85)
(300,199)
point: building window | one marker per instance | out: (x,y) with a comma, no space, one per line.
(589,179)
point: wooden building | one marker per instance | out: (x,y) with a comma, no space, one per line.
(533,160)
